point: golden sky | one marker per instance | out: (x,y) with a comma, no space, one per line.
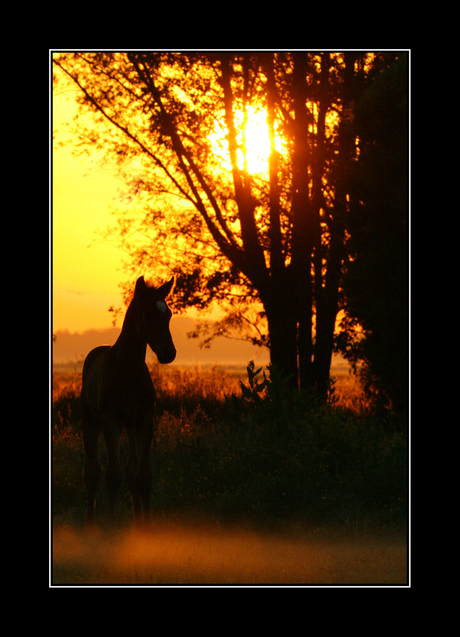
(85,279)
(87,270)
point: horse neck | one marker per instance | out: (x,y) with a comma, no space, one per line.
(129,348)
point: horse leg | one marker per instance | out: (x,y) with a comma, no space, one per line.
(92,470)
(113,475)
(144,475)
(131,474)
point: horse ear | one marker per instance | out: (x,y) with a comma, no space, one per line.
(165,289)
(140,285)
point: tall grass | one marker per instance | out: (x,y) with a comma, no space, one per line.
(226,450)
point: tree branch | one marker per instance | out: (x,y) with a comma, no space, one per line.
(226,243)
(276,249)
(255,267)
(127,132)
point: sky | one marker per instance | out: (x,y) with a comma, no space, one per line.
(86,270)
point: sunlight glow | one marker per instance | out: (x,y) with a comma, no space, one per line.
(253,142)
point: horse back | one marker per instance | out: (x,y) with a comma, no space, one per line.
(91,379)
(103,392)
(91,358)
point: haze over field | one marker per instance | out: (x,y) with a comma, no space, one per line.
(73,347)
(70,349)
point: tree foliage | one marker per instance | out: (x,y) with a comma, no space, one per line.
(269,245)
(377,277)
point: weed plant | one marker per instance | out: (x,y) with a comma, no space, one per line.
(249,452)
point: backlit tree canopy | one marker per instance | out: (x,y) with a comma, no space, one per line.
(264,234)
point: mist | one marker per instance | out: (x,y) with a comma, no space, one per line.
(212,555)
(73,347)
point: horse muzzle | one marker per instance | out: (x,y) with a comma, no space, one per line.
(166,355)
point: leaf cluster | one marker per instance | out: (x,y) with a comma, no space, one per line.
(154,114)
(173,127)
(376,279)
(252,392)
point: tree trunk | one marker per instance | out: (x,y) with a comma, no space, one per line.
(282,331)
(327,296)
(326,312)
(305,344)
(303,228)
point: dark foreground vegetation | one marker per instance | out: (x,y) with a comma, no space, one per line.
(251,486)
(249,453)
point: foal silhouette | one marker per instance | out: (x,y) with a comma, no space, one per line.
(117,392)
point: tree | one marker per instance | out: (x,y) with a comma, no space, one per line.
(269,243)
(377,277)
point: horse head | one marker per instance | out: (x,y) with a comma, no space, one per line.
(152,318)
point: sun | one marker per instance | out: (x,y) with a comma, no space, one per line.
(257,144)
(253,142)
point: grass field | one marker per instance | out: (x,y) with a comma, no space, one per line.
(249,488)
